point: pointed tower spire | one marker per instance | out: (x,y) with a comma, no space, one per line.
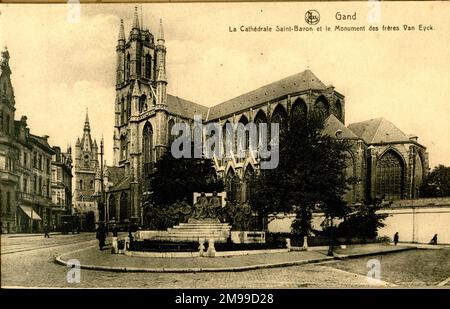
(87,126)
(161,32)
(121,31)
(136,18)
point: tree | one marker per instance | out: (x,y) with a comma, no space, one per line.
(309,175)
(364,223)
(437,184)
(177,179)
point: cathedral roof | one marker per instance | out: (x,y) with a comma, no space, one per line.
(332,125)
(185,108)
(296,83)
(378,130)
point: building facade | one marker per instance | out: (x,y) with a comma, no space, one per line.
(61,184)
(25,166)
(385,162)
(9,178)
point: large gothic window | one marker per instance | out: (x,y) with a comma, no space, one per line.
(148,66)
(260,118)
(299,109)
(227,133)
(349,174)
(232,185)
(123,206)
(112,207)
(127,68)
(171,137)
(147,146)
(279,116)
(418,175)
(245,143)
(247,183)
(390,176)
(322,107)
(124,148)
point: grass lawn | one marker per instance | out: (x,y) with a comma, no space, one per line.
(407,268)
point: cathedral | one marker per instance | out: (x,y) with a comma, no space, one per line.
(387,163)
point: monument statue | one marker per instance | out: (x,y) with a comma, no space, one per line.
(200,208)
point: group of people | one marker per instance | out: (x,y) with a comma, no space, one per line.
(205,208)
(433,240)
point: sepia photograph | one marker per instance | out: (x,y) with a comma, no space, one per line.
(246,145)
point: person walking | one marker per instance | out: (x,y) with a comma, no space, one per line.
(396,238)
(46,231)
(434,240)
(101,235)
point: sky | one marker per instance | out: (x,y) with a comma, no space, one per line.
(61,68)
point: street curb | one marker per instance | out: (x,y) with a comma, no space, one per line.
(357,255)
(60,261)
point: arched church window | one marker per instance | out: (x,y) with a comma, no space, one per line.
(279,116)
(299,109)
(127,67)
(124,148)
(260,118)
(148,66)
(171,137)
(389,184)
(418,175)
(247,183)
(322,108)
(123,206)
(147,146)
(231,183)
(246,142)
(112,207)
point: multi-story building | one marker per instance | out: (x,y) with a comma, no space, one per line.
(384,162)
(9,179)
(61,184)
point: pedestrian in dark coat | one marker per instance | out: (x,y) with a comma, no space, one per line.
(101,235)
(46,231)
(434,240)
(396,238)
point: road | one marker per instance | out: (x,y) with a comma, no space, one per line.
(29,262)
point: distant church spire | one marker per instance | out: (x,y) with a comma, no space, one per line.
(121,31)
(161,32)
(136,18)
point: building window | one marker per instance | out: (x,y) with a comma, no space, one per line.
(7,124)
(389,185)
(91,185)
(48,166)
(8,202)
(81,184)
(35,183)
(48,187)
(40,163)
(25,159)
(1,120)
(25,185)
(112,207)
(148,66)
(322,108)
(147,143)
(34,159)
(123,207)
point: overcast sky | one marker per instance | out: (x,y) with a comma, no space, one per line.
(61,68)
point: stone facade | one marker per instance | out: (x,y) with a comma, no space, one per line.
(383,161)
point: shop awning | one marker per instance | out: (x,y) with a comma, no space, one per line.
(30,212)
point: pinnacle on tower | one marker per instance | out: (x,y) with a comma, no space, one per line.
(136,18)
(121,31)
(161,32)
(87,126)
(136,91)
(162,74)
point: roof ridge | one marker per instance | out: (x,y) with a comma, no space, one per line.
(378,128)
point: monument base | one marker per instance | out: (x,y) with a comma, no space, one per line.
(195,230)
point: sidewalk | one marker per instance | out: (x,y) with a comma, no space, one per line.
(93,258)
(29,235)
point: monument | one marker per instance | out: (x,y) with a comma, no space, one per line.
(203,223)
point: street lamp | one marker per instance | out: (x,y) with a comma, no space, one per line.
(102,199)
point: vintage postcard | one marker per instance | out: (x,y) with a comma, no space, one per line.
(236,145)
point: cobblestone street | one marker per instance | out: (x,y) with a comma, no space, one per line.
(35,267)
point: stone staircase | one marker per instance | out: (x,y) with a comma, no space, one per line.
(194,230)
